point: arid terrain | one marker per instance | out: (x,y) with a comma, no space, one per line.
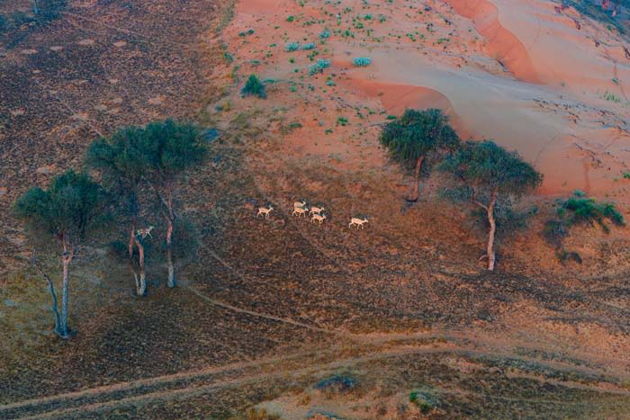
(297,320)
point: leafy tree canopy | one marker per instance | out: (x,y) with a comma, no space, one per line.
(170,148)
(418,133)
(72,206)
(486,164)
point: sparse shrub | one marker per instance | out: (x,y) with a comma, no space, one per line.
(564,255)
(318,67)
(325,34)
(246,33)
(254,87)
(579,209)
(626,175)
(554,232)
(424,400)
(611,97)
(362,61)
(255,414)
(337,383)
(308,46)
(292,46)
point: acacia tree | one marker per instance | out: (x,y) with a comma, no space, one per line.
(489,171)
(72,209)
(120,159)
(416,136)
(170,149)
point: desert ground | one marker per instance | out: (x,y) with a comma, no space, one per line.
(281,318)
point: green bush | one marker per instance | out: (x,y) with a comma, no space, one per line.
(292,46)
(308,46)
(254,87)
(423,400)
(579,210)
(318,67)
(362,61)
(325,34)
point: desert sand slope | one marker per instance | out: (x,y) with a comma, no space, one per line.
(549,84)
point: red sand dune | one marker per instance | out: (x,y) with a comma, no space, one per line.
(501,43)
(396,97)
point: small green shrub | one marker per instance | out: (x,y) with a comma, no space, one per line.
(423,400)
(308,46)
(292,46)
(626,175)
(362,61)
(325,34)
(254,87)
(337,383)
(611,97)
(579,209)
(319,67)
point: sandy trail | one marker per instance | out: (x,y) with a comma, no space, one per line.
(106,398)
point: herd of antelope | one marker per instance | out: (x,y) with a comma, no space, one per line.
(300,209)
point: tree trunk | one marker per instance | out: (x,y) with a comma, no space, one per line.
(169,253)
(66,259)
(141,280)
(414,192)
(54,304)
(132,240)
(493,228)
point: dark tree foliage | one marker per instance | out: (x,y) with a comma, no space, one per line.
(491,172)
(47,10)
(151,158)
(169,150)
(254,87)
(69,211)
(416,136)
(121,163)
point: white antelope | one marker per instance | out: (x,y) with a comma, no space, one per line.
(299,211)
(264,211)
(355,221)
(297,204)
(144,232)
(316,210)
(318,218)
